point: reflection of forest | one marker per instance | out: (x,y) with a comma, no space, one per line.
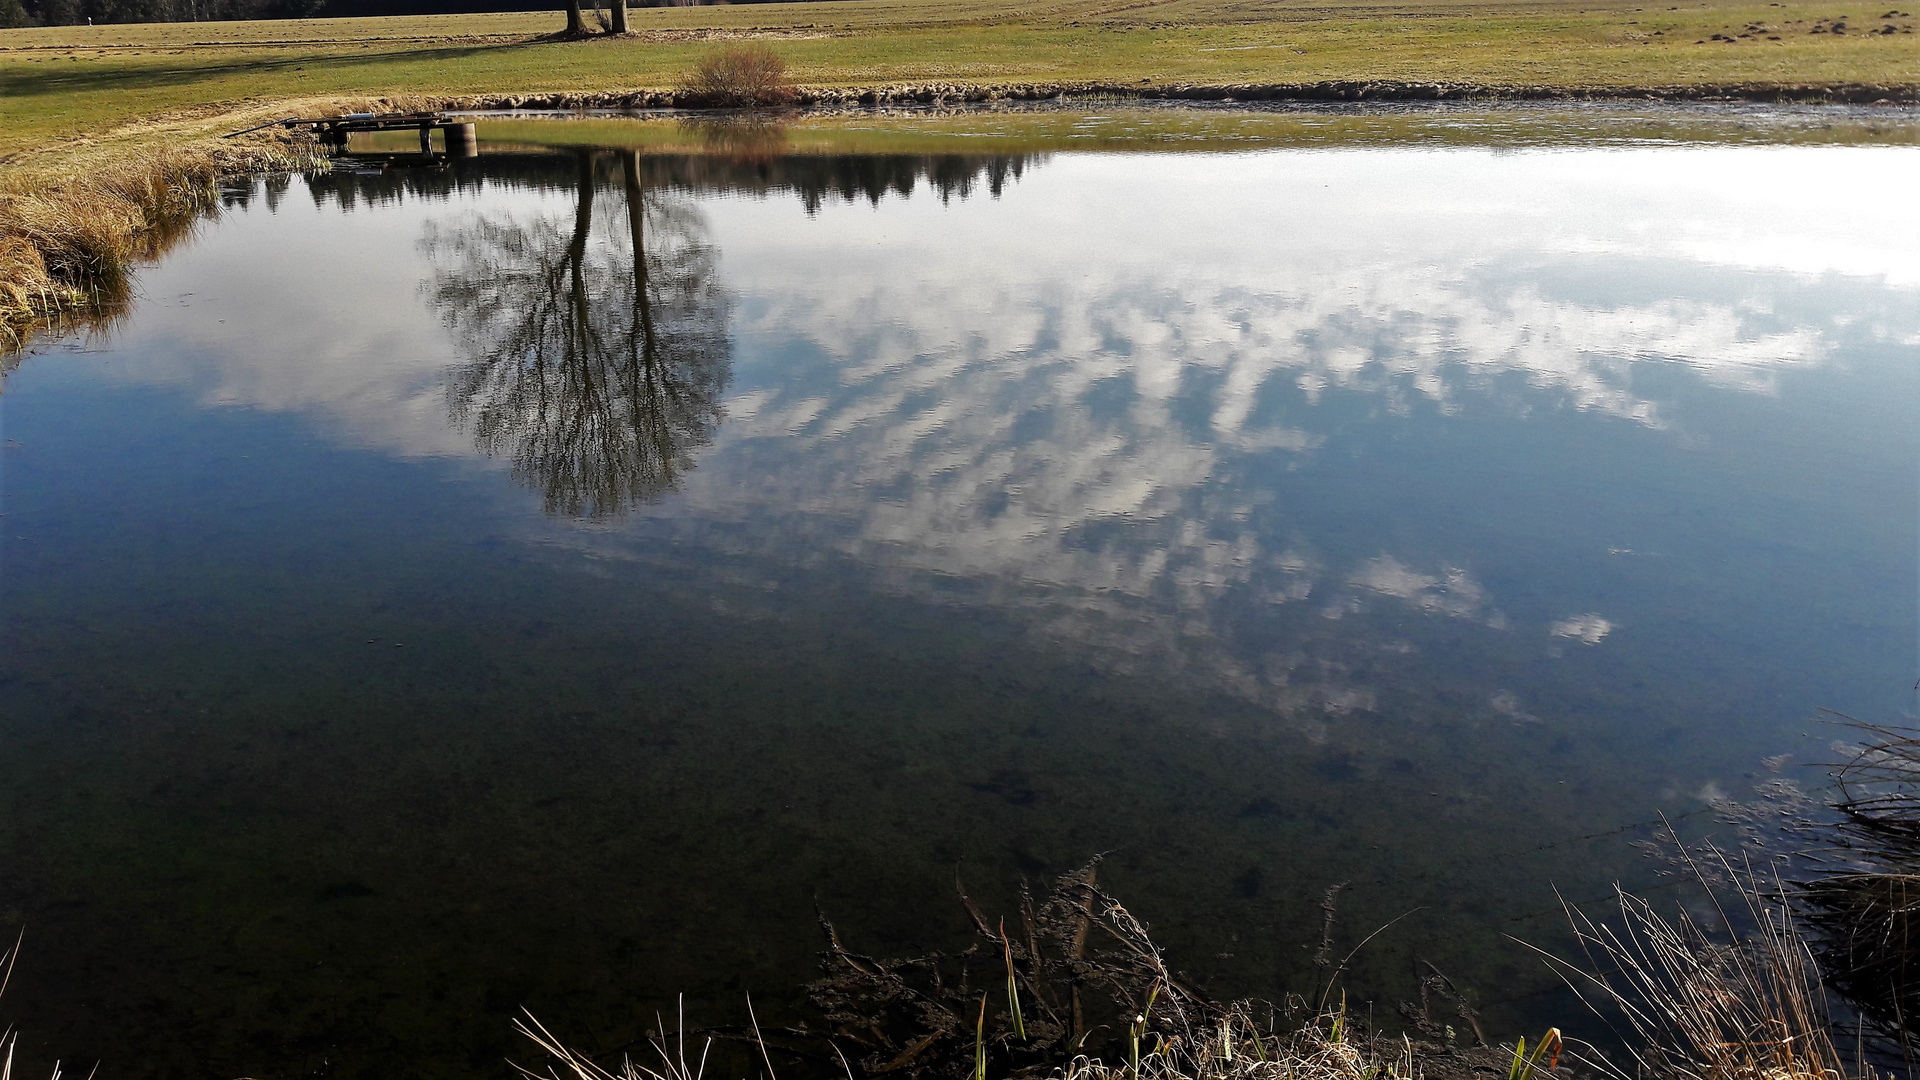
(596,357)
(816,179)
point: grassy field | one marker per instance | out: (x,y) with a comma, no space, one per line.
(62,83)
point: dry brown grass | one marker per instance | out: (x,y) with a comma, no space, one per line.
(1736,995)
(70,234)
(61,254)
(1087,995)
(25,284)
(1237,1046)
(1847,862)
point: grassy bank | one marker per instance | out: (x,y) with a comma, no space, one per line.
(60,83)
(73,227)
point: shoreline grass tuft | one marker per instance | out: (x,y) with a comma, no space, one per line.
(70,237)
(1737,997)
(1743,1001)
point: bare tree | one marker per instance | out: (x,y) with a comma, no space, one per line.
(596,363)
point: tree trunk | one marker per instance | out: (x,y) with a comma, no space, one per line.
(582,351)
(582,228)
(644,375)
(637,226)
(576,25)
(619,16)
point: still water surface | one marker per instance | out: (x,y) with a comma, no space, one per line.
(545,581)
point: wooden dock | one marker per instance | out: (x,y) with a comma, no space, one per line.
(333,130)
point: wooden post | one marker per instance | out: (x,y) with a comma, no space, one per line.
(461,140)
(426,138)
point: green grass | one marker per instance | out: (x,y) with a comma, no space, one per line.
(66,83)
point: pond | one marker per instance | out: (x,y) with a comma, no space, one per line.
(547,579)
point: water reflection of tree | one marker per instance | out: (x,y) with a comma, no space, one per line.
(597,359)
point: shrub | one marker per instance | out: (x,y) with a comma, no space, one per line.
(740,76)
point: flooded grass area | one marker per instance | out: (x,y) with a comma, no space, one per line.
(552,578)
(1184,126)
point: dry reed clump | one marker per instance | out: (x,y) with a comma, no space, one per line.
(67,242)
(1237,1048)
(1076,990)
(24,280)
(741,76)
(1742,1000)
(1738,999)
(1848,861)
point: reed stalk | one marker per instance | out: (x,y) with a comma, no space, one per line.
(1740,998)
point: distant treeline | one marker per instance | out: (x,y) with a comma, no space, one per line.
(75,12)
(14,13)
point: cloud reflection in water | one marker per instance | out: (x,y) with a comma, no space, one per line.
(1075,401)
(1079,390)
